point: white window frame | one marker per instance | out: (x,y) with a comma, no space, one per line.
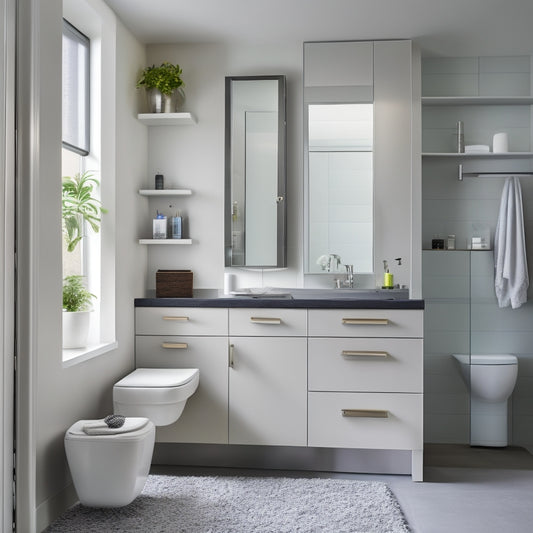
(100,247)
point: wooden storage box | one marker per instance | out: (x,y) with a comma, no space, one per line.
(173,284)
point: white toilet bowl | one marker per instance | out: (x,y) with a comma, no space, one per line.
(159,394)
(110,470)
(491,379)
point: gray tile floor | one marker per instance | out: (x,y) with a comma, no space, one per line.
(465,490)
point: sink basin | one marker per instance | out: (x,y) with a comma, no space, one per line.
(350,294)
(323,294)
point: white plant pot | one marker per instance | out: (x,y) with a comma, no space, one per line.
(75,329)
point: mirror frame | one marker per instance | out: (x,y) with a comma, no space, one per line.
(281,259)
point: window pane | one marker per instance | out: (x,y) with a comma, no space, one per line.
(75,90)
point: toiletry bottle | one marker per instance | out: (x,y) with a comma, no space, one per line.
(176,227)
(159,226)
(388,278)
(159,182)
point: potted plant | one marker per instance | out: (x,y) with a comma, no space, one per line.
(79,205)
(76,308)
(163,85)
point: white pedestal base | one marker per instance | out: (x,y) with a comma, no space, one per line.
(488,423)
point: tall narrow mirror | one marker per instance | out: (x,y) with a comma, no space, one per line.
(339,187)
(255,172)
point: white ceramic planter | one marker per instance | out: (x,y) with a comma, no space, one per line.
(75,329)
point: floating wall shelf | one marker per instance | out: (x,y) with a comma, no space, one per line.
(477,100)
(165,241)
(167,119)
(165,192)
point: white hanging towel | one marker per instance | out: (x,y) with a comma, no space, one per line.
(511,278)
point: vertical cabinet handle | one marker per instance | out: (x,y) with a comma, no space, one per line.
(366,321)
(230,355)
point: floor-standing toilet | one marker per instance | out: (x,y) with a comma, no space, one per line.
(109,465)
(491,379)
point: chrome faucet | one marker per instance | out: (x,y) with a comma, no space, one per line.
(348,281)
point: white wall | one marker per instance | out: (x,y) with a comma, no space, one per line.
(53,397)
(193,157)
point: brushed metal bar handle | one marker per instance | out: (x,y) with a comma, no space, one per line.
(366,321)
(365,413)
(175,345)
(180,318)
(364,353)
(264,320)
(230,355)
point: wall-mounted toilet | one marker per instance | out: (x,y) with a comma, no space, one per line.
(491,379)
(109,466)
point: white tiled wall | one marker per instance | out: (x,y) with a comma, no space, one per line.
(462,313)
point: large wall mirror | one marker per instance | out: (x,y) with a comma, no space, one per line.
(255,172)
(339,187)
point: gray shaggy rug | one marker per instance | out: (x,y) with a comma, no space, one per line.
(226,504)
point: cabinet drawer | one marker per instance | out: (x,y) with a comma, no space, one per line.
(369,364)
(268,322)
(365,323)
(364,424)
(181,321)
(205,417)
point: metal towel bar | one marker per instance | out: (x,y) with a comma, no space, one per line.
(462,174)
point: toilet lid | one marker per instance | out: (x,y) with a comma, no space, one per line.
(158,377)
(493,359)
(133,427)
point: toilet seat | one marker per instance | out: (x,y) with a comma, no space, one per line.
(156,386)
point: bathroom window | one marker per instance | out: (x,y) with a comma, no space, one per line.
(87,148)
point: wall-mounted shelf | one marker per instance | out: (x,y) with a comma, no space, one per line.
(476,100)
(167,119)
(165,241)
(165,192)
(487,155)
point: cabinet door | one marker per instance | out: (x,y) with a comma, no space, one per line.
(338,64)
(205,417)
(267,391)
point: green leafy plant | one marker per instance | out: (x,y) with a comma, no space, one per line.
(79,205)
(166,78)
(75,296)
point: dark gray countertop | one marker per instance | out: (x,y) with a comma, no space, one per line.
(207,298)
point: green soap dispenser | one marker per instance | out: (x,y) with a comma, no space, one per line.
(388,278)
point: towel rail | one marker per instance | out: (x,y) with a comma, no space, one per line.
(462,174)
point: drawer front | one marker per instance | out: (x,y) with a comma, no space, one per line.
(180,321)
(205,417)
(365,365)
(363,424)
(365,323)
(268,322)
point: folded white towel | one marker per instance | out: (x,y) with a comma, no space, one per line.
(511,279)
(477,148)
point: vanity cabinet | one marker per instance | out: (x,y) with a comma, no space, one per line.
(172,337)
(268,377)
(324,378)
(366,381)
